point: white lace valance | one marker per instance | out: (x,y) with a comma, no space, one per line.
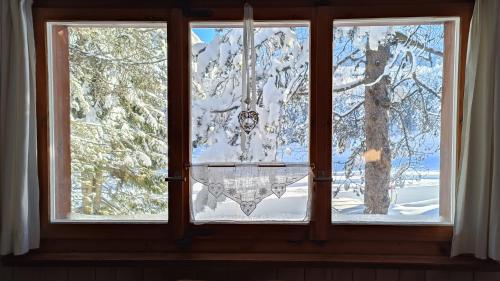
(248,184)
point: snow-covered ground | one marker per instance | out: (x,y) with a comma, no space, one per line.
(137,218)
(417,202)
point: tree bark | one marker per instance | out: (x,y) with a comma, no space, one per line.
(96,206)
(86,197)
(91,192)
(378,151)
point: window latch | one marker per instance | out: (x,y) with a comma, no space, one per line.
(175,179)
(323,179)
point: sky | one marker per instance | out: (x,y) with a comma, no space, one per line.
(205,34)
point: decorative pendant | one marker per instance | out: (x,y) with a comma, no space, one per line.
(278,189)
(248,207)
(216,189)
(248,120)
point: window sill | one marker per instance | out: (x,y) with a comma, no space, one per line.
(310,259)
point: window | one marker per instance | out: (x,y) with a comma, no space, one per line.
(257,174)
(394,120)
(108,111)
(92,62)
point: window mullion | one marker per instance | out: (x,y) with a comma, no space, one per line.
(321,112)
(177,122)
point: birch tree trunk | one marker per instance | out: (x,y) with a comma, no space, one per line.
(378,151)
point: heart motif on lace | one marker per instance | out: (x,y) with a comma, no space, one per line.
(248,206)
(278,189)
(216,190)
(248,120)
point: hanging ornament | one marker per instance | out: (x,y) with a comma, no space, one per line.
(248,117)
(248,120)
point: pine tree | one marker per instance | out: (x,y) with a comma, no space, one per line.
(118,120)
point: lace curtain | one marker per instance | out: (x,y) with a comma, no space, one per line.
(248,184)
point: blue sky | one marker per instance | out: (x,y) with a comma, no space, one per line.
(208,33)
(205,34)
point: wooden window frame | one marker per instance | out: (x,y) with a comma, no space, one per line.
(60,92)
(179,235)
(291,232)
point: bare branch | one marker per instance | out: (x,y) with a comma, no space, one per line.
(420,84)
(346,87)
(402,37)
(225,110)
(344,114)
(349,57)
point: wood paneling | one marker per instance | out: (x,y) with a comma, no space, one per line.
(342,274)
(241,273)
(387,275)
(461,276)
(411,275)
(83,273)
(291,274)
(27,274)
(130,273)
(364,274)
(267,273)
(6,273)
(437,275)
(487,276)
(55,274)
(155,274)
(318,274)
(105,274)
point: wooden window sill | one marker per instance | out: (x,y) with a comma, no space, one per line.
(310,259)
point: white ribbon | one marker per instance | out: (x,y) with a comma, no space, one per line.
(249,92)
(248,87)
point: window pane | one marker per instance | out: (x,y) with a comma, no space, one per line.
(388,82)
(118,121)
(281,134)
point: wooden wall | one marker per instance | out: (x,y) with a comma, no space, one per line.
(239,273)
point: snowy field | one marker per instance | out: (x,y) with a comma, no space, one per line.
(138,218)
(417,202)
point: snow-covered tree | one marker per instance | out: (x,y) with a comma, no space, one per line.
(387,107)
(118,120)
(282,76)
